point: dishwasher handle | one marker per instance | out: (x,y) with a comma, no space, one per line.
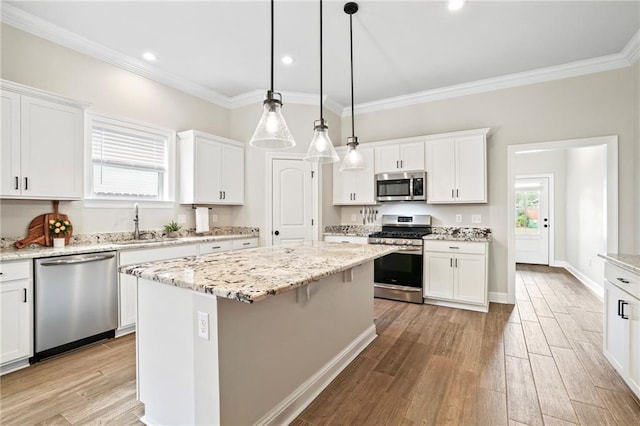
(77,260)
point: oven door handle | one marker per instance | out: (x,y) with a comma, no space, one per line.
(409,251)
(397,287)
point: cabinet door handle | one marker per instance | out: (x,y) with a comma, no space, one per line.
(354,196)
(451,262)
(622,280)
(397,164)
(401,164)
(17,183)
(224,193)
(457,193)
(452,194)
(456,263)
(619,301)
(24,295)
(26,183)
(622,315)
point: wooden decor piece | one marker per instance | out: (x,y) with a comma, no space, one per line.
(38,231)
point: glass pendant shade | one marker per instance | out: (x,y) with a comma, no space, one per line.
(272,130)
(321,149)
(353,159)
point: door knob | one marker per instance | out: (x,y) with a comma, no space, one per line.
(276,233)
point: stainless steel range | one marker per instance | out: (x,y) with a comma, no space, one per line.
(398,275)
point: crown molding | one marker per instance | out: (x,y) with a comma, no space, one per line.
(573,69)
(22,20)
(632,50)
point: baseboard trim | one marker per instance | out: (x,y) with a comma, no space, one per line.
(498,297)
(125,330)
(290,407)
(593,286)
(12,366)
(457,305)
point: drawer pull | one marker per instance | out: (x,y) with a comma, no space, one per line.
(622,315)
(216,247)
(246,244)
(622,280)
(454,248)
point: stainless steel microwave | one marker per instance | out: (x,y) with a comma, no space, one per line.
(401,186)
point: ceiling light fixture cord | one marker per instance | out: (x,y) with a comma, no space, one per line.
(321,116)
(353,126)
(272,43)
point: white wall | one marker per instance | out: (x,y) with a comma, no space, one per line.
(591,105)
(586,211)
(39,63)
(551,162)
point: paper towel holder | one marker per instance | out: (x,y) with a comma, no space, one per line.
(193,207)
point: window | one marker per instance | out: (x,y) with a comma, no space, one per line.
(129,161)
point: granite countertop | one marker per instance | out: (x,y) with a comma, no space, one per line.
(254,274)
(38,252)
(445,237)
(347,234)
(630,262)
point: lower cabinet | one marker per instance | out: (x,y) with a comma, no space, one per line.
(455,274)
(622,325)
(16,314)
(128,283)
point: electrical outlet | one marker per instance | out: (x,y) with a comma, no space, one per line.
(476,218)
(353,218)
(182,219)
(214,218)
(458,218)
(203,325)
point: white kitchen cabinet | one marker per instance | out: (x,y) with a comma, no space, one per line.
(244,243)
(354,187)
(455,274)
(42,146)
(127,283)
(350,239)
(16,314)
(213,247)
(399,157)
(211,169)
(456,168)
(621,344)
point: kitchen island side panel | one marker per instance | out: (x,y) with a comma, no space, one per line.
(269,348)
(263,362)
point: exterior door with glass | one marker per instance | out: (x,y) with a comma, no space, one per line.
(532,220)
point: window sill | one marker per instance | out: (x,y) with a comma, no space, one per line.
(96,203)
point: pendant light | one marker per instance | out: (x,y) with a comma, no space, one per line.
(353,159)
(321,149)
(272,131)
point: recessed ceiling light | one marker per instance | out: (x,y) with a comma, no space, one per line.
(456,4)
(148,56)
(287,60)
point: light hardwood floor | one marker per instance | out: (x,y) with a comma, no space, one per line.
(539,362)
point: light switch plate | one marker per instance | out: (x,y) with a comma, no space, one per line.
(214,218)
(203,325)
(182,219)
(353,218)
(476,218)
(458,218)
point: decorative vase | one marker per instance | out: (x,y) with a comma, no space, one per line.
(58,243)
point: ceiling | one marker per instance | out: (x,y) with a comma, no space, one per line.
(400,47)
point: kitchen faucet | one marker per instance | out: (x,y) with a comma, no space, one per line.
(136,221)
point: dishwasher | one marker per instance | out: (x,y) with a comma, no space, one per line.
(76,301)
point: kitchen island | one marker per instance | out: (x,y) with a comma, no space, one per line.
(250,337)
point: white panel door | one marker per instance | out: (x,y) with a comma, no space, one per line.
(470,169)
(208,174)
(438,272)
(233,174)
(52,149)
(345,186)
(412,157)
(469,273)
(532,220)
(292,201)
(441,175)
(387,159)
(15,322)
(10,182)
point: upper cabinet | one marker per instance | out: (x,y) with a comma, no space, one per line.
(457,168)
(211,169)
(399,157)
(354,187)
(42,145)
